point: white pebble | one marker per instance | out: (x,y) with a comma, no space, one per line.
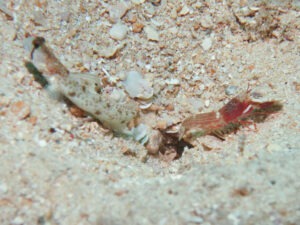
(116,12)
(18,220)
(206,103)
(151,33)
(137,2)
(88,18)
(173,13)
(10,33)
(206,44)
(231,90)
(172,81)
(137,87)
(206,21)
(184,11)
(118,31)
(67,127)
(140,133)
(198,5)
(145,105)
(173,30)
(110,51)
(3,188)
(42,143)
(274,148)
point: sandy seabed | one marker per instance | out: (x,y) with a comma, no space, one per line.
(56,168)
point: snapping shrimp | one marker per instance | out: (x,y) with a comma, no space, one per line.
(238,111)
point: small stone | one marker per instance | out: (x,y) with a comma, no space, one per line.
(161,124)
(137,87)
(154,108)
(88,18)
(173,81)
(32,120)
(154,143)
(198,5)
(184,11)
(196,26)
(150,9)
(39,18)
(4,101)
(231,90)
(20,110)
(296,87)
(17,221)
(42,143)
(276,33)
(65,16)
(206,22)
(116,12)
(137,27)
(111,51)
(206,44)
(206,103)
(173,13)
(145,105)
(151,33)
(67,127)
(173,30)
(3,188)
(118,31)
(170,107)
(274,148)
(131,18)
(127,151)
(195,220)
(10,33)
(137,2)
(210,143)
(140,133)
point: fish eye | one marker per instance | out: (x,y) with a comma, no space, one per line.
(37,42)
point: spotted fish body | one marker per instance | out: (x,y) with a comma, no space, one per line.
(111,106)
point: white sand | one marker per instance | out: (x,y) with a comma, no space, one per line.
(78,174)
